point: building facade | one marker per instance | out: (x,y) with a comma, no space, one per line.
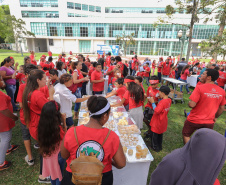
(79,26)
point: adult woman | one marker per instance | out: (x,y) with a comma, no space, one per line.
(7,122)
(198,162)
(65,98)
(184,75)
(60,68)
(27,60)
(8,75)
(33,101)
(94,134)
(78,79)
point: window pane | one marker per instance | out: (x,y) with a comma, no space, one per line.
(85,7)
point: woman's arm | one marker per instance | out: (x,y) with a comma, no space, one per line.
(9,114)
(4,77)
(64,152)
(76,80)
(79,100)
(97,81)
(119,159)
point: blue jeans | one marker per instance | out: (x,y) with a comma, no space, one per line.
(61,162)
(147,80)
(186,86)
(10,90)
(78,94)
(159,76)
(134,72)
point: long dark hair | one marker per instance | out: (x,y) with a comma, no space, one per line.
(135,90)
(49,128)
(74,65)
(32,85)
(59,65)
(6,60)
(184,68)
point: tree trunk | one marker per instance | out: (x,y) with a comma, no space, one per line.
(194,11)
(16,42)
(220,33)
(125,48)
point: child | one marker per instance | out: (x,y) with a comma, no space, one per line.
(140,73)
(97,80)
(92,68)
(146,73)
(53,74)
(21,76)
(117,74)
(135,96)
(159,120)
(184,74)
(138,80)
(120,91)
(50,134)
(153,92)
(172,71)
(153,65)
(7,119)
(39,67)
(65,97)
(60,68)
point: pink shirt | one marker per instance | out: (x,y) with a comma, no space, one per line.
(185,75)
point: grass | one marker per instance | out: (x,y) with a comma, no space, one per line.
(21,173)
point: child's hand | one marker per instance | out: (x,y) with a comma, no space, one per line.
(16,64)
(63,115)
(51,90)
(152,100)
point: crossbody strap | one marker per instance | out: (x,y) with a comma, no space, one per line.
(76,138)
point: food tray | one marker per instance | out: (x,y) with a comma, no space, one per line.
(118,109)
(110,125)
(119,115)
(83,114)
(129,140)
(129,129)
(133,159)
(83,121)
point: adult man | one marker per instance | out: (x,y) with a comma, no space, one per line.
(84,71)
(160,68)
(146,74)
(207,102)
(134,63)
(180,66)
(147,61)
(166,69)
(111,70)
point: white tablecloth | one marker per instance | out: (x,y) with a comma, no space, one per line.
(174,81)
(192,80)
(89,88)
(131,174)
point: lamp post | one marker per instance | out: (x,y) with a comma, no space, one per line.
(20,41)
(180,34)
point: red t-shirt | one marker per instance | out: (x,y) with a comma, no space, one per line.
(88,64)
(152,93)
(113,82)
(37,101)
(160,67)
(21,77)
(159,119)
(32,57)
(121,67)
(146,73)
(108,61)
(110,75)
(120,93)
(50,53)
(153,65)
(34,62)
(51,65)
(185,75)
(132,103)
(208,98)
(6,123)
(97,76)
(140,74)
(91,69)
(222,78)
(166,69)
(19,98)
(134,62)
(79,76)
(90,140)
(172,74)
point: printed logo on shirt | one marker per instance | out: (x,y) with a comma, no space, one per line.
(91,147)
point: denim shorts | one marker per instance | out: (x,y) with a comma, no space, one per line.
(25,132)
(69,121)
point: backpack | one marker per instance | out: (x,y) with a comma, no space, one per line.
(87,170)
(125,71)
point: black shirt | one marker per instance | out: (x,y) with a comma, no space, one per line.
(84,69)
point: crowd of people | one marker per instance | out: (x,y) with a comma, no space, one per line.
(44,92)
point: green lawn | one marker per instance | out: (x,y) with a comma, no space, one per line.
(21,173)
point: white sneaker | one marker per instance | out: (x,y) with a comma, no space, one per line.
(29,162)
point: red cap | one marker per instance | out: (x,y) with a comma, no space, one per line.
(11,57)
(43,56)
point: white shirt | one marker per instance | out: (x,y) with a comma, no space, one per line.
(61,72)
(65,98)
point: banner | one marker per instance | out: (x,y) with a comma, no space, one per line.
(113,49)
